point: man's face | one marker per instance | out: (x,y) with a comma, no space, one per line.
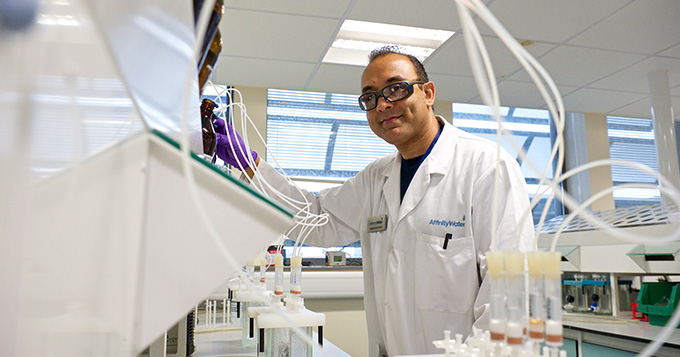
(403,122)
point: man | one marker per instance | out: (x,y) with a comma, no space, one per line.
(423,214)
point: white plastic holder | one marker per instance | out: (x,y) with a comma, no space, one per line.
(247,299)
(274,327)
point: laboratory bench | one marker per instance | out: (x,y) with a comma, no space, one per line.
(585,336)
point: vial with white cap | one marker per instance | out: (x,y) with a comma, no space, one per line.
(296,275)
(536,296)
(516,312)
(553,294)
(263,270)
(494,261)
(278,274)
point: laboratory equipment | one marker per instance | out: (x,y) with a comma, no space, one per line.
(263,270)
(296,275)
(212,41)
(279,339)
(278,275)
(495,273)
(255,296)
(553,293)
(336,258)
(515,307)
(209,137)
(536,296)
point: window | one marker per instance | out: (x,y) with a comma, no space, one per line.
(314,138)
(531,132)
(632,139)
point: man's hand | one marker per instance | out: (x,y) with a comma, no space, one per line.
(231,147)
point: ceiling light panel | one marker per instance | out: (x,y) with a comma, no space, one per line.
(356,39)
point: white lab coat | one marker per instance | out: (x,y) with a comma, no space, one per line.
(413,288)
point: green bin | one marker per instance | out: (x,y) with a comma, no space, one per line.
(658,301)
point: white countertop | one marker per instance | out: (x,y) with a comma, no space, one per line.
(227,342)
(623,326)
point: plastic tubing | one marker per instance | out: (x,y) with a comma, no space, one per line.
(520,53)
(536,296)
(303,217)
(497,320)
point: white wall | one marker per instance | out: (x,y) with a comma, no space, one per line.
(345,323)
(598,149)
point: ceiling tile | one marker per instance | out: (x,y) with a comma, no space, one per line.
(331,9)
(587,100)
(672,52)
(550,20)
(578,66)
(434,14)
(675,91)
(337,78)
(524,94)
(642,27)
(452,58)
(262,73)
(639,109)
(276,36)
(634,78)
(454,88)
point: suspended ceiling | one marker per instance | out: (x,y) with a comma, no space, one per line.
(598,52)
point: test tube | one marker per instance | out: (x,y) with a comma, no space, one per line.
(553,294)
(494,261)
(296,275)
(536,296)
(278,274)
(263,270)
(514,273)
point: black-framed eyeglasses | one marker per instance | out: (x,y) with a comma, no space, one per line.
(392,93)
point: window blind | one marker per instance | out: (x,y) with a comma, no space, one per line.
(632,139)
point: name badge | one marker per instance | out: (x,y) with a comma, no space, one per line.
(377,224)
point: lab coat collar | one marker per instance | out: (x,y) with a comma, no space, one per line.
(436,162)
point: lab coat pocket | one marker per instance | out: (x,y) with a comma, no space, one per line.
(446,279)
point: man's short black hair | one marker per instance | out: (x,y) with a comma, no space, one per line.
(386,50)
